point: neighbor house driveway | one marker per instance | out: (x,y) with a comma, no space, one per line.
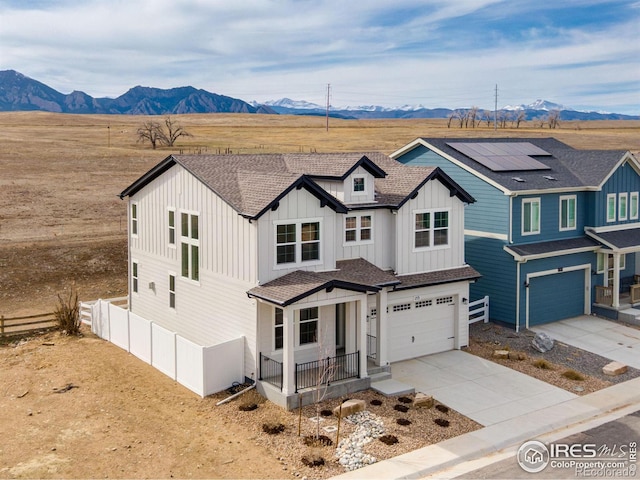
(482,390)
(597,335)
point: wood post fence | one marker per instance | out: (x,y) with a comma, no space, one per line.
(20,325)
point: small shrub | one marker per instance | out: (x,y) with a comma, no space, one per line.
(401,408)
(247,407)
(376,402)
(321,441)
(573,375)
(405,400)
(67,314)
(542,364)
(442,422)
(312,459)
(403,421)
(442,408)
(388,439)
(272,428)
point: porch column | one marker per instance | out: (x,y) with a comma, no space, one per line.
(616,280)
(288,359)
(381,330)
(362,334)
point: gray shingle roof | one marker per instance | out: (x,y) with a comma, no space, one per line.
(252,183)
(356,274)
(545,248)
(569,167)
(619,239)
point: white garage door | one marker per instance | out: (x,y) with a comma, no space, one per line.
(421,327)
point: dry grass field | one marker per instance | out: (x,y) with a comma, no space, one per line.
(62,224)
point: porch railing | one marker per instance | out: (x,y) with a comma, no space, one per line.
(327,370)
(604,295)
(270,371)
(372,347)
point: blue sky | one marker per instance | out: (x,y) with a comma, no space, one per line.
(584,54)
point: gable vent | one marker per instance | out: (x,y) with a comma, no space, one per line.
(518,179)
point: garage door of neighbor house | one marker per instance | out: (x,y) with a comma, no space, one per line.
(556,297)
(421,327)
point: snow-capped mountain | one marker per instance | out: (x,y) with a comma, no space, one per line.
(538,105)
(294,104)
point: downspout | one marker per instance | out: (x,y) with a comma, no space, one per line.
(518,296)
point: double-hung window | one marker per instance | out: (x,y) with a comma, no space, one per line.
(611,207)
(190,246)
(172,291)
(359,185)
(134,277)
(633,206)
(622,206)
(431,229)
(308,325)
(297,242)
(172,226)
(278,331)
(358,228)
(568,212)
(134,219)
(530,216)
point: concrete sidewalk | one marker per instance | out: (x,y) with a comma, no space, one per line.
(505,434)
(606,338)
(478,388)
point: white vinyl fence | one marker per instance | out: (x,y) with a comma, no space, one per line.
(203,370)
(479,310)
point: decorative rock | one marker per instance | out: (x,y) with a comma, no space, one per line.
(422,400)
(501,354)
(349,408)
(614,368)
(349,451)
(517,356)
(542,342)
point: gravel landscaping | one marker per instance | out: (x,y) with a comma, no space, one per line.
(485,338)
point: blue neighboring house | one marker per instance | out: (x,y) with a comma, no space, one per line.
(554,231)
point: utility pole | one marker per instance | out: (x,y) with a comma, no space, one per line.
(328,96)
(495,111)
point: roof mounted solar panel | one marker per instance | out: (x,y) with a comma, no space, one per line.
(503,156)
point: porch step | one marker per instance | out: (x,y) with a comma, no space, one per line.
(630,315)
(392,388)
(379,376)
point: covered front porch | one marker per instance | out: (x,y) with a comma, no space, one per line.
(617,285)
(312,337)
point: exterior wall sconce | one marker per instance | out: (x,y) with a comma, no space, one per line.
(526,284)
(464,301)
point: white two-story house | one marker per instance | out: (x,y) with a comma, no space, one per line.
(332,262)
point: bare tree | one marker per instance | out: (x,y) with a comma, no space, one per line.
(472,115)
(155,133)
(487,116)
(521,117)
(173,132)
(150,131)
(553,118)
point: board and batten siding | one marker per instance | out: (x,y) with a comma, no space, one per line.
(432,196)
(298,205)
(624,180)
(380,250)
(490,212)
(216,308)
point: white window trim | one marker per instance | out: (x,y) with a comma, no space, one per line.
(366,186)
(358,229)
(136,277)
(533,232)
(273,329)
(135,220)
(633,197)
(174,228)
(575,212)
(298,222)
(623,215)
(602,268)
(175,287)
(610,197)
(431,246)
(191,242)
(302,346)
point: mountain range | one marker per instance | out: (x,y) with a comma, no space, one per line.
(21,93)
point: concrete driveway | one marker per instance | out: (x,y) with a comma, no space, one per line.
(597,335)
(477,388)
